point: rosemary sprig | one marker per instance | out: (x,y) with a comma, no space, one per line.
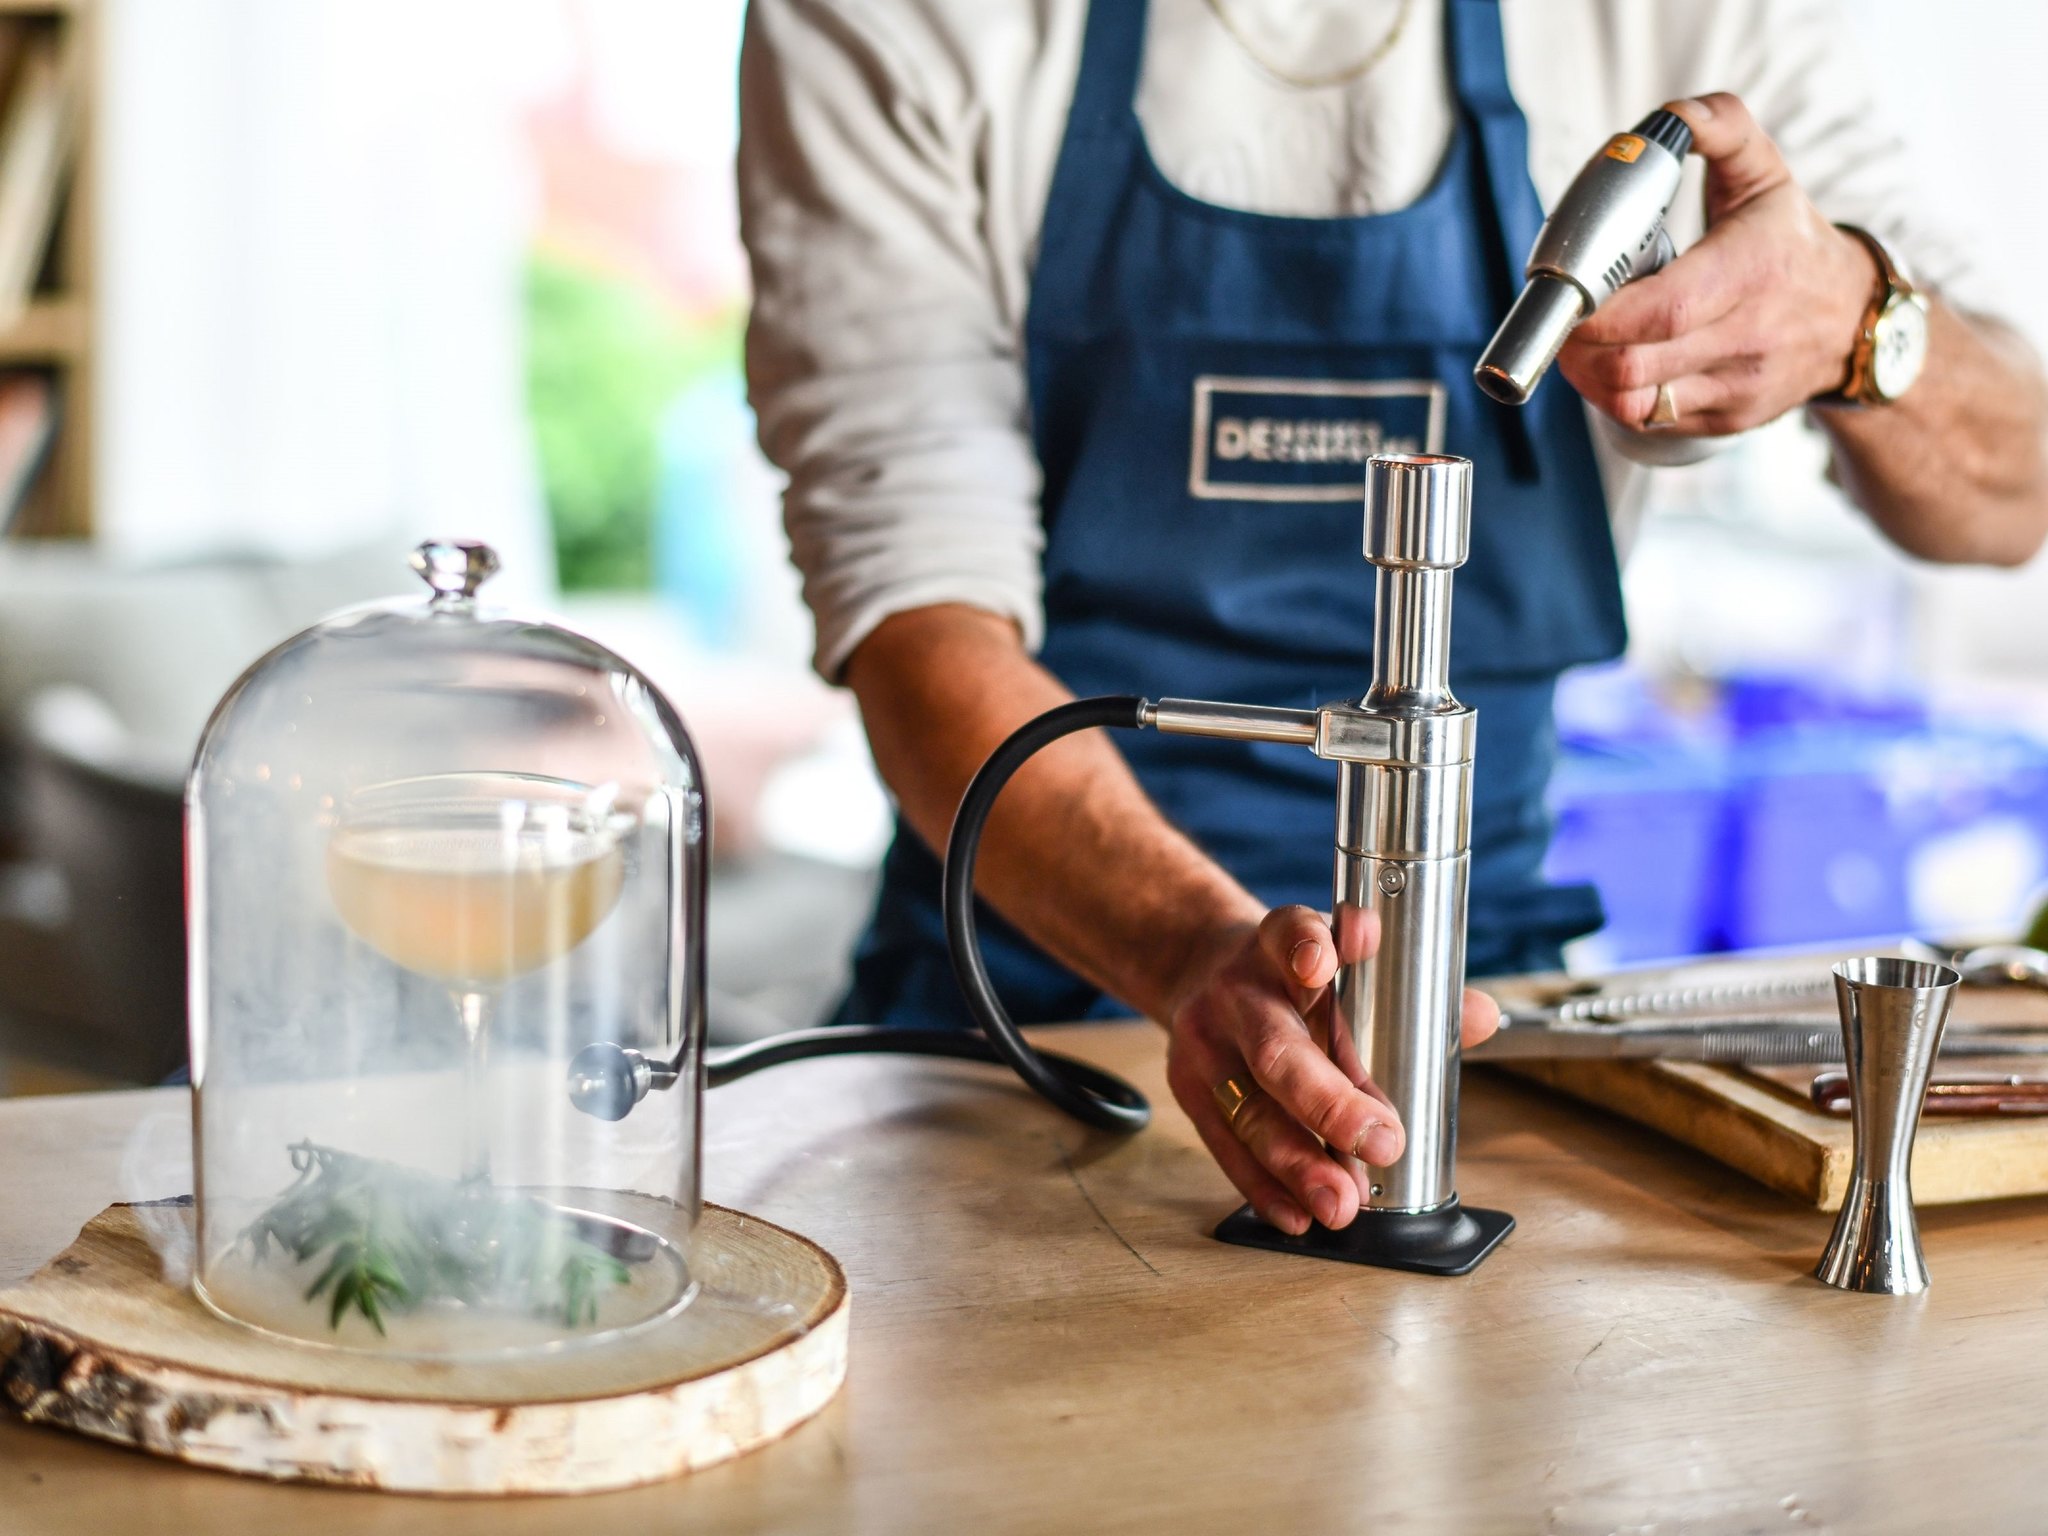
(394,1239)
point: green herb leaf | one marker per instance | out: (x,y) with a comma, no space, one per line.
(344,1293)
(394,1239)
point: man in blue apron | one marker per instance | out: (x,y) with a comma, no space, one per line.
(1196,376)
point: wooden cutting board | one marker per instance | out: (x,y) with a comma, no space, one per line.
(102,1342)
(1761,1122)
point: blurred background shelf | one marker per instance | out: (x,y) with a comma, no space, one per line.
(55,330)
(49,68)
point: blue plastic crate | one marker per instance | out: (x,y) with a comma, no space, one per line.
(1639,801)
(1841,831)
(1791,812)
(1643,821)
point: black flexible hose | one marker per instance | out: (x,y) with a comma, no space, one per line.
(1091,1095)
(1094,1098)
(727,1066)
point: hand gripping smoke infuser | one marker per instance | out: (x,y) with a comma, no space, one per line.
(1403,827)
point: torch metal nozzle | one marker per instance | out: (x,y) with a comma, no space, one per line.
(1528,339)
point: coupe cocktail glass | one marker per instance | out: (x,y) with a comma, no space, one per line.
(473,880)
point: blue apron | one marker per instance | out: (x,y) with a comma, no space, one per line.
(1206,384)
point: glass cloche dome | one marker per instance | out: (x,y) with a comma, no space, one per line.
(441,859)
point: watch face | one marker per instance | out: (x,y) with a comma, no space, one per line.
(1901,348)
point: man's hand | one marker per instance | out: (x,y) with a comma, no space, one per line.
(1753,321)
(1262,1015)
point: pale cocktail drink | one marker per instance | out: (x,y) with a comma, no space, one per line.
(474,906)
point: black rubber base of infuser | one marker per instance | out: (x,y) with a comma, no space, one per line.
(1450,1240)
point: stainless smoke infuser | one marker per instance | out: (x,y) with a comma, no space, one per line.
(1893,1013)
(1403,826)
(1606,231)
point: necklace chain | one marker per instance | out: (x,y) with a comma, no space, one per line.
(1345,76)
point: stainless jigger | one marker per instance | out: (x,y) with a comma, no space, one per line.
(1893,1012)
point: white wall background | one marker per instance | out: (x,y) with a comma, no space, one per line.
(1964,79)
(313,222)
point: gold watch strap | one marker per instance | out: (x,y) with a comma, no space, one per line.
(1892,282)
(1890,273)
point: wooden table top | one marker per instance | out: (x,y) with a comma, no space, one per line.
(1045,1338)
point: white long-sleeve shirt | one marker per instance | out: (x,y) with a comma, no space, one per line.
(895,157)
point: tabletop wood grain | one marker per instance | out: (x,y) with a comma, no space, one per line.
(1046,1339)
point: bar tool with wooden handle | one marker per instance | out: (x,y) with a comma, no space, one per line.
(1977,1093)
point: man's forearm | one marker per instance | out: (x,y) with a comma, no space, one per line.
(1075,854)
(1957,470)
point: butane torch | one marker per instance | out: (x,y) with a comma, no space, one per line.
(1607,230)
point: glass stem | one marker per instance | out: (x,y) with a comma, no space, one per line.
(476,1155)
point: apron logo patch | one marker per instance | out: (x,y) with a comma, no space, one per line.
(1305,440)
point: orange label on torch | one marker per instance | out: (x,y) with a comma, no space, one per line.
(1624,147)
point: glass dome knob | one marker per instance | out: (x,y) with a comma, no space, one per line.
(454,568)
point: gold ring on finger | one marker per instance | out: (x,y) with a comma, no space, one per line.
(1664,412)
(1231,1096)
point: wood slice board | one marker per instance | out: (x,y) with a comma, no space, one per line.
(102,1342)
(1761,1123)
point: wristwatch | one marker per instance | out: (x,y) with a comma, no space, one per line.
(1891,347)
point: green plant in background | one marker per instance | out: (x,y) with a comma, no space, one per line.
(2036,935)
(605,355)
